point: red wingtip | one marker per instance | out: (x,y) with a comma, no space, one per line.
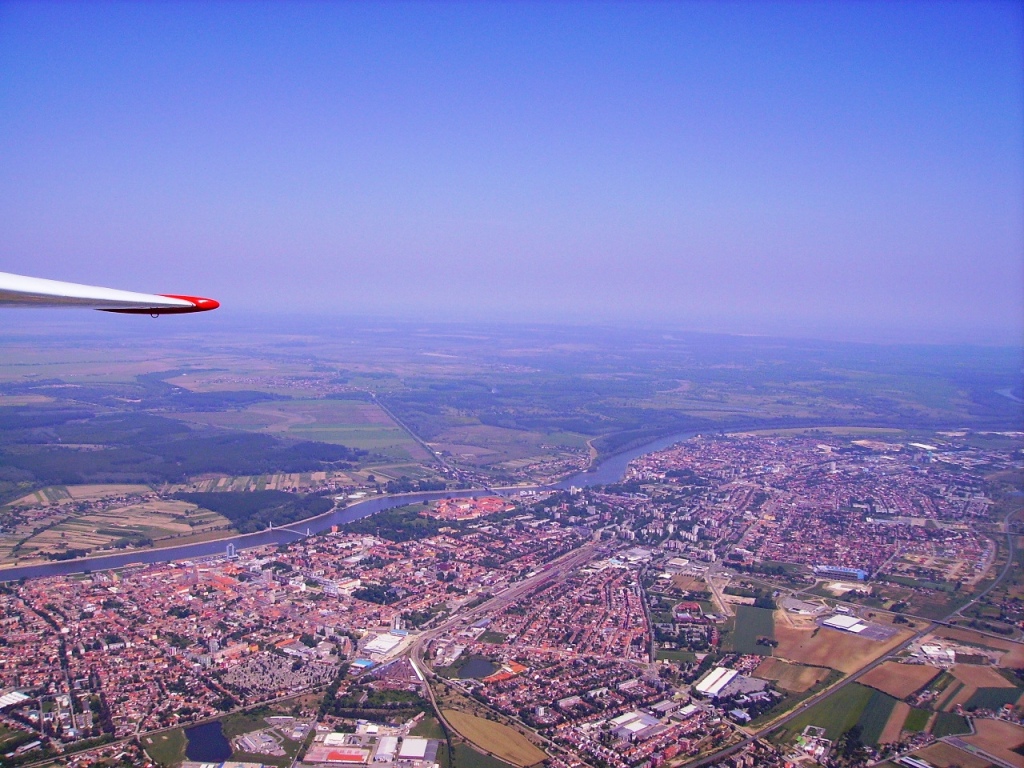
(199,303)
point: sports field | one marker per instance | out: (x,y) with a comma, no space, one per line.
(899,680)
(167,747)
(500,740)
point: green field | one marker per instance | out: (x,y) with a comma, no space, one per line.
(836,714)
(166,748)
(428,728)
(669,655)
(949,724)
(352,423)
(992,698)
(875,715)
(916,720)
(245,722)
(752,623)
(467,757)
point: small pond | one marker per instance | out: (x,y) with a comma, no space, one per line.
(206,743)
(477,667)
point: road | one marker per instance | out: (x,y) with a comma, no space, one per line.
(419,441)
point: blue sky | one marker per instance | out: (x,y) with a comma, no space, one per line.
(850,170)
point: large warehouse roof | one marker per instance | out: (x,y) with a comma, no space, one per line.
(715,681)
(848,623)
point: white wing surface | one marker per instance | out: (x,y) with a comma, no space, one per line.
(21,291)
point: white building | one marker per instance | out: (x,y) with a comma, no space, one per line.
(715,680)
(413,748)
(386,748)
(845,623)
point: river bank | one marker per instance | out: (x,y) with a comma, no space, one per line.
(611,470)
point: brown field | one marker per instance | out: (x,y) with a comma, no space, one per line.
(795,678)
(944,755)
(24,400)
(501,741)
(839,431)
(979,677)
(944,702)
(164,521)
(827,648)
(686,583)
(1013,658)
(93,492)
(960,697)
(899,680)
(59,494)
(999,738)
(973,677)
(53,494)
(894,725)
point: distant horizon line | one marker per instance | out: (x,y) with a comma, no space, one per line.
(59,320)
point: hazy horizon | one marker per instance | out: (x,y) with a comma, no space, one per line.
(797,170)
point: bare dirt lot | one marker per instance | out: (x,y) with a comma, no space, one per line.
(899,680)
(806,643)
(999,738)
(796,678)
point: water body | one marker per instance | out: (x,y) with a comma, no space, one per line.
(206,743)
(477,668)
(611,470)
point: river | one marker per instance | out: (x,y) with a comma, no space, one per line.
(611,470)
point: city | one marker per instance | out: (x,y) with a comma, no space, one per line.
(658,620)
